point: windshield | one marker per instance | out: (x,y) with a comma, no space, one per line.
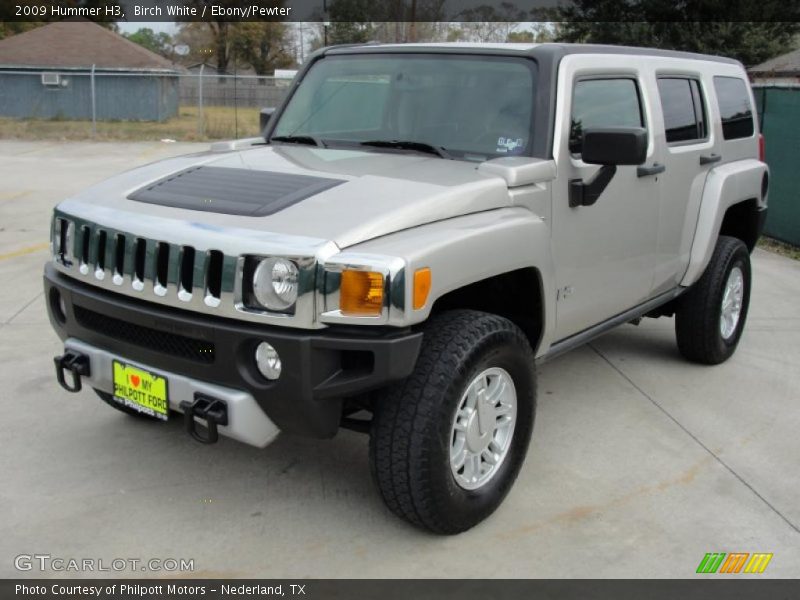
(470,107)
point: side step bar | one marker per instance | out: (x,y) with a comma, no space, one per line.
(582,337)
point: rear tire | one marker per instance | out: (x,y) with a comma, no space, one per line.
(108,399)
(710,317)
(472,396)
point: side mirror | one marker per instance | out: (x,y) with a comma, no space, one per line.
(614,146)
(609,147)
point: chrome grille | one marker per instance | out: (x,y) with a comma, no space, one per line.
(124,262)
(184,264)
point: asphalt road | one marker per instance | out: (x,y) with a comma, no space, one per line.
(641,463)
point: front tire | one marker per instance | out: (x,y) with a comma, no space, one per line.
(710,317)
(448,442)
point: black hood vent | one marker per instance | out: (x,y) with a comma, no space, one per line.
(232,191)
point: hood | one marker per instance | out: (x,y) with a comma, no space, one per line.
(343,196)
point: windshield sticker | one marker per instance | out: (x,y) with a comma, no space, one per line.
(509,145)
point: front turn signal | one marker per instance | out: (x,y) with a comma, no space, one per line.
(361,293)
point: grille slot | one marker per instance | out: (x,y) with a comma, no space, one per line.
(162,268)
(119,258)
(62,250)
(138,263)
(86,242)
(152,339)
(214,277)
(175,274)
(62,241)
(186,274)
(100,249)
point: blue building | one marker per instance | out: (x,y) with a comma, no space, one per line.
(46,73)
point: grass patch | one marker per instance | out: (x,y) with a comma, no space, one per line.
(221,122)
(781,248)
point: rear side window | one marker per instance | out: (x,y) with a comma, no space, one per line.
(734,107)
(682,105)
(603,103)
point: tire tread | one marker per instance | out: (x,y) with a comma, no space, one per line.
(402,427)
(697,318)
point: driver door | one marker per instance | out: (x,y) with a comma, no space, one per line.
(604,253)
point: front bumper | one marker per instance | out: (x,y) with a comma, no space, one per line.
(320,368)
(247,422)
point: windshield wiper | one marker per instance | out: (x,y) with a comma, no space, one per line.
(409,145)
(299,139)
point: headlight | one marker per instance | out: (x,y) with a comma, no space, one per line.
(275,283)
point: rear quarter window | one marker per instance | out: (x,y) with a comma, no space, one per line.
(734,107)
(682,106)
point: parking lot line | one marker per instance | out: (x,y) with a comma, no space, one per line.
(695,438)
(13,195)
(24,251)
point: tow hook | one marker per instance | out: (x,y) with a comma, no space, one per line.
(212,410)
(75,363)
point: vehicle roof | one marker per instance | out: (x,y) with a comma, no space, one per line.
(547,49)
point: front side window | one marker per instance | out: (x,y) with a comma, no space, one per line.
(682,106)
(472,107)
(734,107)
(603,103)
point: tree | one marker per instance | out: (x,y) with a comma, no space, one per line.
(486,23)
(262,45)
(209,40)
(218,30)
(520,37)
(9,28)
(752,33)
(350,32)
(160,43)
(352,22)
(222,44)
(197,37)
(538,34)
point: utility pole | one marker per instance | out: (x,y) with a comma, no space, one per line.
(412,28)
(324,22)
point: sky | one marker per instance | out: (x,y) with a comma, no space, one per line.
(157,26)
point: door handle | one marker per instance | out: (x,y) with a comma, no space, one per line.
(647,171)
(709,159)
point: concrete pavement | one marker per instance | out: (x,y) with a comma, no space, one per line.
(640,463)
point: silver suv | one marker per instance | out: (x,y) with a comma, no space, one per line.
(417,228)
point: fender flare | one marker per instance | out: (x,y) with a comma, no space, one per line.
(469,249)
(725,186)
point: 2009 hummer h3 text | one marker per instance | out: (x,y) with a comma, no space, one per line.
(419,225)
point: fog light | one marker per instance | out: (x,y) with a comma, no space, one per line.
(268,361)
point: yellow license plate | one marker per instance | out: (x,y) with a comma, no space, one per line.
(141,390)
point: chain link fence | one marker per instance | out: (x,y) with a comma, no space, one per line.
(779,115)
(200,106)
(129,105)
